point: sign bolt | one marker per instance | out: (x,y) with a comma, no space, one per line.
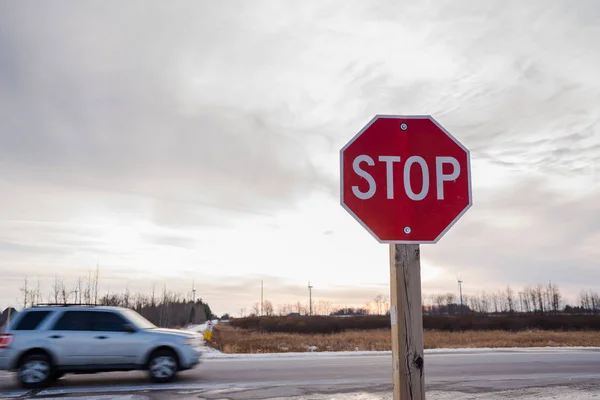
(407,230)
(403,126)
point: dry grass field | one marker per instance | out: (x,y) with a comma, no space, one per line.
(235,340)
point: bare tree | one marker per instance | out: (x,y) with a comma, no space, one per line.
(524,299)
(153,295)
(36,296)
(56,290)
(64,294)
(439,302)
(322,307)
(450,300)
(590,302)
(595,301)
(530,292)
(378,300)
(474,303)
(495,302)
(87,289)
(95,284)
(127,296)
(386,305)
(268,308)
(554,297)
(284,309)
(139,302)
(466,302)
(539,292)
(25,293)
(77,290)
(485,303)
(301,308)
(164,315)
(256,308)
(510,299)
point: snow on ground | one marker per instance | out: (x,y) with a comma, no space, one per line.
(212,353)
(559,393)
(102,397)
(200,328)
(196,328)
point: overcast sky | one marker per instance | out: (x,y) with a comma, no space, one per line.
(173,141)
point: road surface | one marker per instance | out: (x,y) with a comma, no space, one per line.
(276,376)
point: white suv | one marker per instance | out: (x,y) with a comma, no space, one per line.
(45,342)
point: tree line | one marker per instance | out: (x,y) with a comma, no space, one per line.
(536,299)
(167,308)
(531,299)
(162,307)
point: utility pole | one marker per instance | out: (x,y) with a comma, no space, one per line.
(261,298)
(460,282)
(96,283)
(309,298)
(193,292)
(193,307)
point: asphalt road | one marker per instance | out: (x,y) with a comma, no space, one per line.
(263,377)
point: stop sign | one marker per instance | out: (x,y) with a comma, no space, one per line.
(405,179)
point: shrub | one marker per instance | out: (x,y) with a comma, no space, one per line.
(328,325)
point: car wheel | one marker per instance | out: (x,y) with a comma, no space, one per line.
(163,366)
(35,371)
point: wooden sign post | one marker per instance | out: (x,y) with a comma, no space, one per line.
(406,315)
(406,180)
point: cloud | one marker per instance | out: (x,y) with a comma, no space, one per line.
(126,127)
(170,240)
(187,109)
(102,110)
(527,235)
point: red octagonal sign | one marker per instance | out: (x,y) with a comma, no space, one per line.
(405,179)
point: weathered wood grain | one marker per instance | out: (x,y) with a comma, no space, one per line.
(407,322)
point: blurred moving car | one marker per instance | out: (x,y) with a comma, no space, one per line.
(44,342)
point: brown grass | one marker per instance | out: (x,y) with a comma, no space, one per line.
(234,340)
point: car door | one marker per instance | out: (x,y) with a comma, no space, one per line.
(113,343)
(71,339)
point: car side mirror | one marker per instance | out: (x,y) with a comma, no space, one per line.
(130,328)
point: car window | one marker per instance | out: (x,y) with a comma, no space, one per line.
(137,320)
(74,321)
(106,321)
(30,320)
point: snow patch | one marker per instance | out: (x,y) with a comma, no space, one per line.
(196,328)
(212,353)
(200,328)
(103,397)
(559,393)
(14,395)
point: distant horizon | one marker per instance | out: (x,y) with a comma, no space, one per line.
(47,294)
(201,142)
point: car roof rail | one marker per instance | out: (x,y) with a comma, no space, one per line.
(65,305)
